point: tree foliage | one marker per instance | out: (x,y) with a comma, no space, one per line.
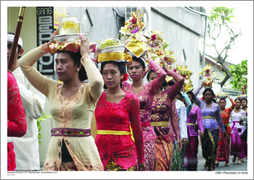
(239,73)
(220,19)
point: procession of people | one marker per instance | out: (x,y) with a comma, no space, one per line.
(153,126)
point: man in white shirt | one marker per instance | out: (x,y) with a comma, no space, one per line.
(26,148)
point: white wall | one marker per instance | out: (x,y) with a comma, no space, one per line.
(181,38)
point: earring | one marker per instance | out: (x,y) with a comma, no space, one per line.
(121,77)
(78,69)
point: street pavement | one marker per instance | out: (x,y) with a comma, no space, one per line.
(222,167)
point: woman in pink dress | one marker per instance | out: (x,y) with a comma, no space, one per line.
(237,130)
(164,119)
(16,126)
(244,143)
(145,94)
(117,113)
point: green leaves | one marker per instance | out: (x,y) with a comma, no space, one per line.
(42,118)
(239,73)
(221,15)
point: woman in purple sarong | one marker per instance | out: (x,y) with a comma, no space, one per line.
(191,158)
(145,94)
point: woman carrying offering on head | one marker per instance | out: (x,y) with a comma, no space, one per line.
(145,94)
(212,121)
(223,145)
(72,104)
(119,134)
(164,119)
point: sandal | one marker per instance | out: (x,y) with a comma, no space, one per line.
(227,164)
(205,166)
(239,162)
(216,163)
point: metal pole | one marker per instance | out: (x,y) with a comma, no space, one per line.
(206,17)
(203,57)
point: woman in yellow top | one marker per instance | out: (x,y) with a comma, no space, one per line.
(72,104)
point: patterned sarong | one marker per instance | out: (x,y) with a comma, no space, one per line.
(149,156)
(112,166)
(164,153)
(178,158)
(209,145)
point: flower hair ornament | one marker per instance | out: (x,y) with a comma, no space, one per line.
(124,77)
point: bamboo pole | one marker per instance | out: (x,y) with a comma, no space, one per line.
(16,37)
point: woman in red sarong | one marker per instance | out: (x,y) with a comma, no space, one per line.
(223,145)
(16,119)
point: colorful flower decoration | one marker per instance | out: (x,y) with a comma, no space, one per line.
(186,74)
(207,73)
(169,58)
(133,25)
(132,29)
(156,44)
(125,77)
(68,46)
(182,70)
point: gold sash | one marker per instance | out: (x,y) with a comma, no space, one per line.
(190,124)
(112,132)
(160,123)
(208,117)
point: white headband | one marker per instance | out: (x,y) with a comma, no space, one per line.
(10,38)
